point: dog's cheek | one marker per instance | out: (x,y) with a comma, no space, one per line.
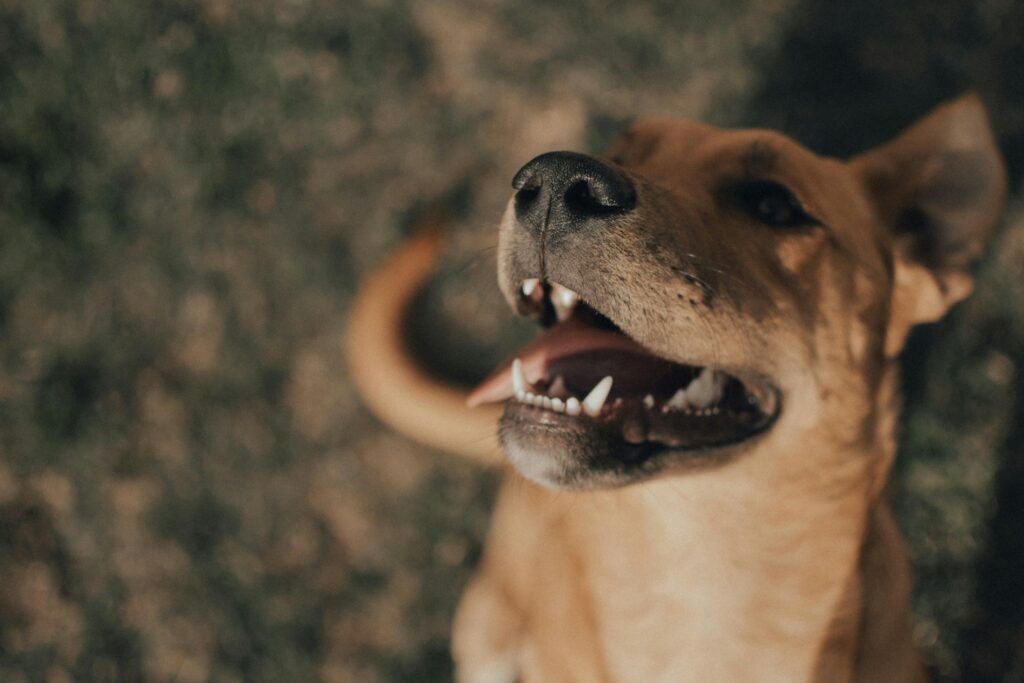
(867,328)
(859,342)
(797,252)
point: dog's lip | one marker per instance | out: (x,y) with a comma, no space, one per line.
(548,302)
(584,373)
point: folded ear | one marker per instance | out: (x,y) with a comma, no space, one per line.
(940,187)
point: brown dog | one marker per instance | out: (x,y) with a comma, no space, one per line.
(702,436)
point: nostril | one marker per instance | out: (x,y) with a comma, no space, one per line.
(527,184)
(580,199)
(599,196)
(526,197)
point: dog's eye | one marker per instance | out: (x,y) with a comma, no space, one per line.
(772,204)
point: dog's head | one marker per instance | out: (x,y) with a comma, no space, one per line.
(708,290)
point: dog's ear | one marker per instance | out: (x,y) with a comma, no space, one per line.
(940,187)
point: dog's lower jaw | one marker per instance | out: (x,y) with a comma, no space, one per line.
(579,464)
(732,573)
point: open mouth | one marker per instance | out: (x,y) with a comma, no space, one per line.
(584,374)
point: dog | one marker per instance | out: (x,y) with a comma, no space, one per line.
(701,436)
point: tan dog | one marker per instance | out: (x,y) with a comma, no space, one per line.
(702,436)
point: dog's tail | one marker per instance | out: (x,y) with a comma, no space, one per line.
(395,388)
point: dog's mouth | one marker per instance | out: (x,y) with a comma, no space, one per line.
(584,375)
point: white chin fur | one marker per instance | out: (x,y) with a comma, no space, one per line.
(538,467)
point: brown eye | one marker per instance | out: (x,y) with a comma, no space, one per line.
(772,204)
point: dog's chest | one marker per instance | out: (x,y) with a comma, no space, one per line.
(673,628)
(678,599)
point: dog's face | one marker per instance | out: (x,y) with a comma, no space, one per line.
(735,287)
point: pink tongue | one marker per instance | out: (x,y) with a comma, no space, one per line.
(561,341)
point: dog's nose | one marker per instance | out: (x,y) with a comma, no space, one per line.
(568,188)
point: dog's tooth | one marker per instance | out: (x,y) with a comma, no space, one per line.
(538,401)
(564,301)
(594,401)
(558,405)
(565,296)
(528,397)
(572,406)
(520,395)
(518,378)
(706,388)
(649,401)
(678,401)
(530,286)
(546,402)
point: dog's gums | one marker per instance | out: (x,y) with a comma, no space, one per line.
(584,374)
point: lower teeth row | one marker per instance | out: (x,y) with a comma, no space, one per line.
(706,388)
(570,406)
(591,405)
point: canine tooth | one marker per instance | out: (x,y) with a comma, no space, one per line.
(572,407)
(678,401)
(594,401)
(564,300)
(649,401)
(518,378)
(530,285)
(558,405)
(566,296)
(706,388)
(520,395)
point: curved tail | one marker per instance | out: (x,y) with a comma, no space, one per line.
(393,386)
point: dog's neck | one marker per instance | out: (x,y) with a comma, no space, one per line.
(758,561)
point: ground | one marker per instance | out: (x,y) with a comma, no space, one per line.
(190,191)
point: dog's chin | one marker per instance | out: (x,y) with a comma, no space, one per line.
(565,453)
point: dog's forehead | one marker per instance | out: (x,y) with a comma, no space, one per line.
(660,137)
(681,142)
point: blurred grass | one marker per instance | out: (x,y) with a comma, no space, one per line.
(189,192)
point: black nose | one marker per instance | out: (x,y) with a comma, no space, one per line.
(561,190)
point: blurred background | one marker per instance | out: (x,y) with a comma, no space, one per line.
(190,192)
